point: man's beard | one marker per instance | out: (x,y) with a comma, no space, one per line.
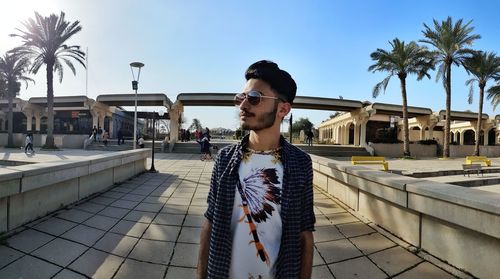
(264,121)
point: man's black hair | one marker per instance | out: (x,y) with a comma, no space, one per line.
(279,80)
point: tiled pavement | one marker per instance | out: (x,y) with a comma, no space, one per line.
(148,227)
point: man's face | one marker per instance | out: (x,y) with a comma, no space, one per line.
(260,116)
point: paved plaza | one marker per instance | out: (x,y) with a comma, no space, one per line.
(149,226)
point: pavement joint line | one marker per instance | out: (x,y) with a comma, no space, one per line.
(149,225)
(183,220)
(448,268)
(444,265)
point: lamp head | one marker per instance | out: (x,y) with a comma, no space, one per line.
(136,65)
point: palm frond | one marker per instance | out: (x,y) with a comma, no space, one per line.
(494,95)
(381,85)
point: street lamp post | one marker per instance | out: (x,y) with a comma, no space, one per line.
(135,86)
(152,169)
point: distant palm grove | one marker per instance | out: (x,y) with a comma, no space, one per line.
(44,43)
(450,42)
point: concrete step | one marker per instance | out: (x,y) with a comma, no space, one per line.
(335,150)
(320,150)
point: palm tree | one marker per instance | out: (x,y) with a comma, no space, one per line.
(13,68)
(494,94)
(450,41)
(484,66)
(44,41)
(196,125)
(402,60)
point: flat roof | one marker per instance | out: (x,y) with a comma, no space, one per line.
(397,110)
(300,102)
(143,99)
(461,115)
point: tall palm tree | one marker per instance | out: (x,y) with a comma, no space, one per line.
(450,41)
(402,60)
(484,66)
(13,68)
(44,41)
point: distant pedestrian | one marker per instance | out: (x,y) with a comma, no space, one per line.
(99,134)
(205,148)
(105,136)
(120,137)
(140,141)
(28,142)
(94,133)
(309,137)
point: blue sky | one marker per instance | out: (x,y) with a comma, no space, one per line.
(205,46)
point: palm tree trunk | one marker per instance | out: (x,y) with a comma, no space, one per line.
(446,144)
(49,141)
(10,119)
(479,120)
(406,134)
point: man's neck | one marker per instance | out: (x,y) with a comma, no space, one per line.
(264,140)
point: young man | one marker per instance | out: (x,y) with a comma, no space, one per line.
(260,217)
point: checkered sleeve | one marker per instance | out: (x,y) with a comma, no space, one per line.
(308,219)
(209,214)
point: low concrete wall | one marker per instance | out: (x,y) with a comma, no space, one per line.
(457,224)
(62,141)
(467,150)
(31,191)
(395,150)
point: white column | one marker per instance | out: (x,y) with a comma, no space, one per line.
(38,121)
(485,137)
(422,132)
(356,134)
(111,127)
(174,114)
(29,120)
(430,133)
(95,118)
(462,137)
(101,121)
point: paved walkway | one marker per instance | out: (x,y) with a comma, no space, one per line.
(148,227)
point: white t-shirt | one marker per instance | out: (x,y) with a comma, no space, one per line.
(261,178)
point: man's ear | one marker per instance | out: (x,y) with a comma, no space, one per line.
(284,109)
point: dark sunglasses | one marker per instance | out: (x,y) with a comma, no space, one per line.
(253,97)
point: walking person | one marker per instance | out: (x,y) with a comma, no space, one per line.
(309,138)
(105,137)
(260,218)
(205,148)
(28,143)
(94,133)
(140,142)
(120,137)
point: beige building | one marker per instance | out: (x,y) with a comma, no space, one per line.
(383,123)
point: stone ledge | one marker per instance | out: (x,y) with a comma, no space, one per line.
(10,182)
(473,198)
(467,217)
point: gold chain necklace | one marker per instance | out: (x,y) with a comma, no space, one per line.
(247,153)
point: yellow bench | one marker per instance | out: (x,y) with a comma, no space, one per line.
(470,159)
(370,160)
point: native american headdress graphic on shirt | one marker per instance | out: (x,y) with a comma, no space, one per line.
(261,192)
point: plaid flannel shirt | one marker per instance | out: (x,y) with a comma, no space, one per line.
(297,212)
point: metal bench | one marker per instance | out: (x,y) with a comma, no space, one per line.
(483,159)
(468,168)
(370,160)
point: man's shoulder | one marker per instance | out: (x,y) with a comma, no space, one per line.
(296,153)
(228,149)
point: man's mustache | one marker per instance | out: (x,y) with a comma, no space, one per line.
(245,112)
